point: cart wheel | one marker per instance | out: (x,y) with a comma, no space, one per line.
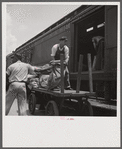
(32,103)
(52,109)
(86,109)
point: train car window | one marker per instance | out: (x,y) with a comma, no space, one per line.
(89,29)
(101,25)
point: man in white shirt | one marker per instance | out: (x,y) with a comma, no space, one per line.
(18,75)
(58,49)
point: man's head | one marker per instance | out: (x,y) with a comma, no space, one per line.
(17,57)
(33,82)
(96,39)
(63,41)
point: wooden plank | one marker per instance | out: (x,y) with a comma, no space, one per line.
(90,73)
(99,104)
(72,52)
(62,73)
(76,48)
(68,93)
(95,76)
(79,74)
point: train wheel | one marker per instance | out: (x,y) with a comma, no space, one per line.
(86,109)
(52,109)
(32,103)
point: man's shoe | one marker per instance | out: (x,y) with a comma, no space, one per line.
(68,88)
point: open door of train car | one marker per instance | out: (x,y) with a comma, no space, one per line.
(100,21)
(85,29)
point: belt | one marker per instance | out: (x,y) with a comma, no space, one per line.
(17,81)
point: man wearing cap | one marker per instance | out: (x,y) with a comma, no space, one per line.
(58,49)
(18,75)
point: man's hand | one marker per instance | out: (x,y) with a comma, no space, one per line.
(65,63)
(52,62)
(37,69)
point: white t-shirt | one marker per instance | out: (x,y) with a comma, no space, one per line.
(19,71)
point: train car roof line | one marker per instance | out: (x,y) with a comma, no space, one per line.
(56,24)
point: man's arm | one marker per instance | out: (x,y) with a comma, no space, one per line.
(8,72)
(66,55)
(7,78)
(53,51)
(37,69)
(32,70)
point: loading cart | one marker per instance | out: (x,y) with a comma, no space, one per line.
(59,102)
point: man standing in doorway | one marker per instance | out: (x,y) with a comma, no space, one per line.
(98,62)
(58,49)
(18,75)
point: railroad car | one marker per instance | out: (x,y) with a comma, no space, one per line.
(80,26)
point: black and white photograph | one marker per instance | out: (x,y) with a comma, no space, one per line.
(61,74)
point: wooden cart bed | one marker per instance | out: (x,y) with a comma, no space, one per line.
(67,93)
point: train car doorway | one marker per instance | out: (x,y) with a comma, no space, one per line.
(90,26)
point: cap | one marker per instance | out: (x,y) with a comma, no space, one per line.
(18,56)
(63,38)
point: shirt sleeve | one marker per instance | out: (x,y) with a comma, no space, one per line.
(8,71)
(66,54)
(31,69)
(53,50)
